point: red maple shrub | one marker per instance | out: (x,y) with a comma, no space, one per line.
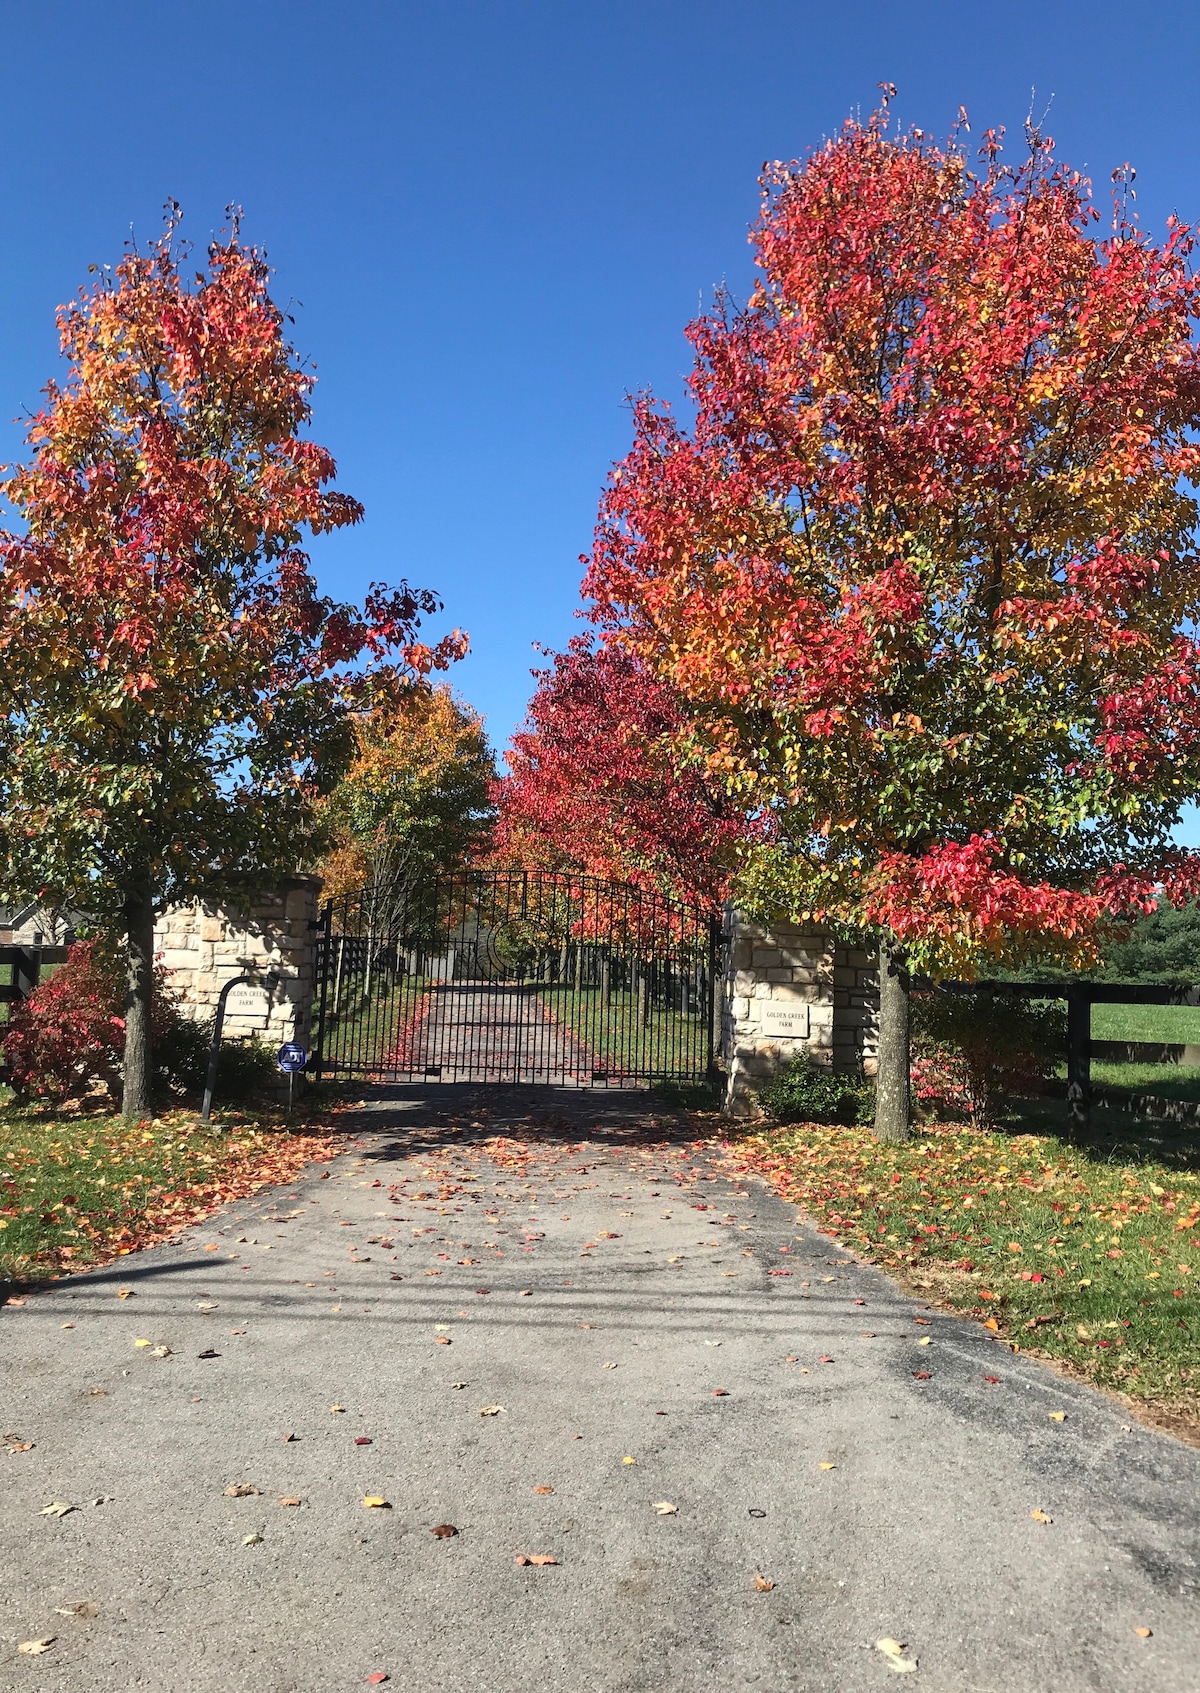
(69,1034)
(970,1050)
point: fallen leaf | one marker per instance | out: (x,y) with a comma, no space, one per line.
(241,1490)
(525,1292)
(288,1437)
(252,1540)
(126,1293)
(457,1384)
(921,1375)
(608,1366)
(720,1393)
(35,1648)
(209,1353)
(143,1343)
(160,1352)
(362,1440)
(991,1323)
(375,1502)
(1143,1633)
(543,1490)
(538,1558)
(15,1444)
(893,1652)
(337,1408)
(377,1677)
(66,1325)
(444,1531)
(924,1341)
(1040,1517)
(1057,1416)
(713,1343)
(286,1501)
(762,1585)
(441,1340)
(56,1508)
(665,1508)
(827,1466)
(629,1459)
(825,1359)
(490,1410)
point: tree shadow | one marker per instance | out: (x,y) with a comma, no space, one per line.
(1113,1137)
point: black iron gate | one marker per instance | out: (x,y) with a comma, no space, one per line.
(513,976)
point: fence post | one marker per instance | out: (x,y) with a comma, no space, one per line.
(1079,1060)
(326,943)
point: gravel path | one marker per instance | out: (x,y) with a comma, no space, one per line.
(648,1334)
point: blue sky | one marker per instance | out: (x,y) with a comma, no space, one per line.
(493,218)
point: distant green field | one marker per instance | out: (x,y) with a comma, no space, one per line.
(1166,1023)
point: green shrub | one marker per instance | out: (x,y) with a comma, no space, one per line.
(804,1092)
(245,1069)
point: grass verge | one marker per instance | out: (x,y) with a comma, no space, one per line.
(77,1191)
(1087,1260)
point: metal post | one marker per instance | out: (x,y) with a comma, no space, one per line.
(1079,1061)
(214,1051)
(327,942)
(716,996)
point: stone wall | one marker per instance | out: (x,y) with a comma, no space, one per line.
(790,989)
(206,945)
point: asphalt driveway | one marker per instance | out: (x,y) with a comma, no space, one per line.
(552,1323)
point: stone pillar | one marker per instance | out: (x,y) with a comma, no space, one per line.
(792,989)
(205,945)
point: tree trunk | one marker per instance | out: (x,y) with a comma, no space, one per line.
(892,1105)
(137,1102)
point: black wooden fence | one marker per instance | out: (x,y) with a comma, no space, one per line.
(1080,996)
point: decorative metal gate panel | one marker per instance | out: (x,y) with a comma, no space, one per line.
(513,976)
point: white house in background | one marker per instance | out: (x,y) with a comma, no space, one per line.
(32,925)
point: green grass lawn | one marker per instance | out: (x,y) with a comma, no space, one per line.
(1169,1024)
(669,1043)
(1081,1253)
(77,1190)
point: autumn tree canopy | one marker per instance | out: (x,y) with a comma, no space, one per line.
(922,562)
(595,781)
(416,797)
(176,689)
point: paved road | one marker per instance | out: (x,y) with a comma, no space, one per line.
(485,1032)
(636,1308)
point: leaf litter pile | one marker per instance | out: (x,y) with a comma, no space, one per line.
(76,1192)
(1088,1261)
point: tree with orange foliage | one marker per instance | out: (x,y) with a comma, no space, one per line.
(923,566)
(415,799)
(177,691)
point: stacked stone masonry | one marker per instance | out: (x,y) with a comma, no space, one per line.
(203,946)
(789,990)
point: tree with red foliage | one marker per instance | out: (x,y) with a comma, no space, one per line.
(177,691)
(922,568)
(595,782)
